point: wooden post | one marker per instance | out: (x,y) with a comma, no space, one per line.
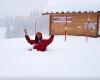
(97,31)
(35,26)
(50,24)
(66,29)
(87,29)
(65,33)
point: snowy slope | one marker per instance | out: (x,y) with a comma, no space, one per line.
(74,58)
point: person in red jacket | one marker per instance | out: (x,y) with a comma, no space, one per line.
(39,43)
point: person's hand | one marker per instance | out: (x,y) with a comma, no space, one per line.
(25,31)
(52,33)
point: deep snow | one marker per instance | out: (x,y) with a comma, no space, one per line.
(74,58)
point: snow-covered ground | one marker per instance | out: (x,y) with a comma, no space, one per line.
(74,58)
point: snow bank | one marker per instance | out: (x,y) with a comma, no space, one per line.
(74,58)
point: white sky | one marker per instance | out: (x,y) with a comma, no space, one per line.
(71,5)
(24,7)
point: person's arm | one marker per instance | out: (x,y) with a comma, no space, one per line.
(28,38)
(51,37)
(48,41)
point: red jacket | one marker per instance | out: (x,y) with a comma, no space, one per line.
(40,46)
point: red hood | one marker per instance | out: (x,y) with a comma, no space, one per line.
(38,33)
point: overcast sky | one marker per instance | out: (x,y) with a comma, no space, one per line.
(24,7)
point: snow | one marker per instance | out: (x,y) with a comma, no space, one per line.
(74,58)
(2,32)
